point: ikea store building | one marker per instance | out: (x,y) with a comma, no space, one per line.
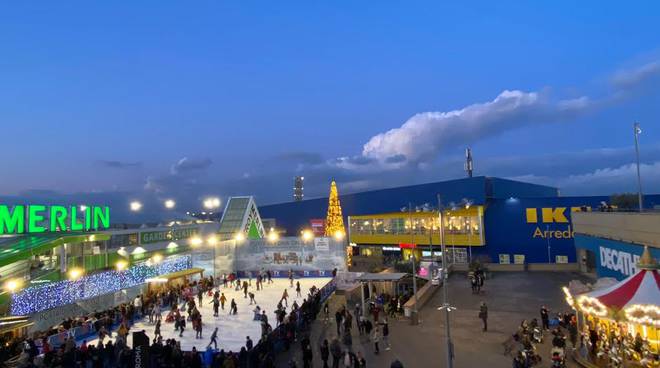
(491,219)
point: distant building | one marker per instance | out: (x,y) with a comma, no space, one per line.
(491,219)
(298,188)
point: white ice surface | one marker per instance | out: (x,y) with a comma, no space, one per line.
(232,329)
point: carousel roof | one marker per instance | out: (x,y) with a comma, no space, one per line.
(642,288)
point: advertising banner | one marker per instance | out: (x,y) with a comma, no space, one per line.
(613,258)
(140,350)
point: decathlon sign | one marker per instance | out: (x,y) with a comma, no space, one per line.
(36,218)
(619,261)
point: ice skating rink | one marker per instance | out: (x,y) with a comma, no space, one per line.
(232,329)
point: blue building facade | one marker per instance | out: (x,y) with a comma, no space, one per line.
(523,222)
(613,258)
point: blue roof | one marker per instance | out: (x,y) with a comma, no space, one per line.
(294,216)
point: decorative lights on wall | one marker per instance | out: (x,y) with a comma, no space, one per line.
(42,297)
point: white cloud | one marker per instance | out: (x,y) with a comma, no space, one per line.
(633,77)
(186,165)
(425,135)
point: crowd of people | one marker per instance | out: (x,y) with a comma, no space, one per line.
(179,300)
(596,343)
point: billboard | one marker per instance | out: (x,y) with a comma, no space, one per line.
(613,258)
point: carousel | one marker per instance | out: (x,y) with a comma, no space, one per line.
(619,323)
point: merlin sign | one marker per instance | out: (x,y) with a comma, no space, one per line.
(33,219)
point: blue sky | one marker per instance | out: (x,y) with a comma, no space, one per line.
(107,98)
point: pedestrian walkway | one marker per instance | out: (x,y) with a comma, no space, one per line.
(321,330)
(511,297)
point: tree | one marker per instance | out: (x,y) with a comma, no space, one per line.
(334,221)
(625,200)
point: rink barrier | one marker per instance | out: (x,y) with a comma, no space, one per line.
(285,274)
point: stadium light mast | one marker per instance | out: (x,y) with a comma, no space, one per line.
(637,131)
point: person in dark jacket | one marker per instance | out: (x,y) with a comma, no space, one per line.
(325,353)
(483,314)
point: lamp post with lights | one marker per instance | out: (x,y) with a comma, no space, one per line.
(445,285)
(637,131)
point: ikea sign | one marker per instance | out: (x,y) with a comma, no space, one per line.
(555,216)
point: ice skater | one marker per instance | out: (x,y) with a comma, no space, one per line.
(285,297)
(251,294)
(223,300)
(290,278)
(216,305)
(214,339)
(245,289)
(269,274)
(233,309)
(298,294)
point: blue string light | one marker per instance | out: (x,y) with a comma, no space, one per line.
(42,297)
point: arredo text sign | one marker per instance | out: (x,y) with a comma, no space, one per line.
(36,218)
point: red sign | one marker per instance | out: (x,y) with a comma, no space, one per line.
(407,246)
(318,226)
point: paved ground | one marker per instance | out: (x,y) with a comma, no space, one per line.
(511,297)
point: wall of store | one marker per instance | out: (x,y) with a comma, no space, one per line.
(614,258)
(518,227)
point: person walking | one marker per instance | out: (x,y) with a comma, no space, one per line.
(325,353)
(376,339)
(483,314)
(156,330)
(307,354)
(367,328)
(360,361)
(386,334)
(545,318)
(214,339)
(335,350)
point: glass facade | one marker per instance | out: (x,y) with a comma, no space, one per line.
(417,225)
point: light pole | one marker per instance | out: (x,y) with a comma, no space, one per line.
(637,131)
(445,285)
(414,317)
(547,238)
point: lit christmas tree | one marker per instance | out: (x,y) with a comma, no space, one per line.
(334,222)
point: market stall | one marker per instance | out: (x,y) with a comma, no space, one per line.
(619,324)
